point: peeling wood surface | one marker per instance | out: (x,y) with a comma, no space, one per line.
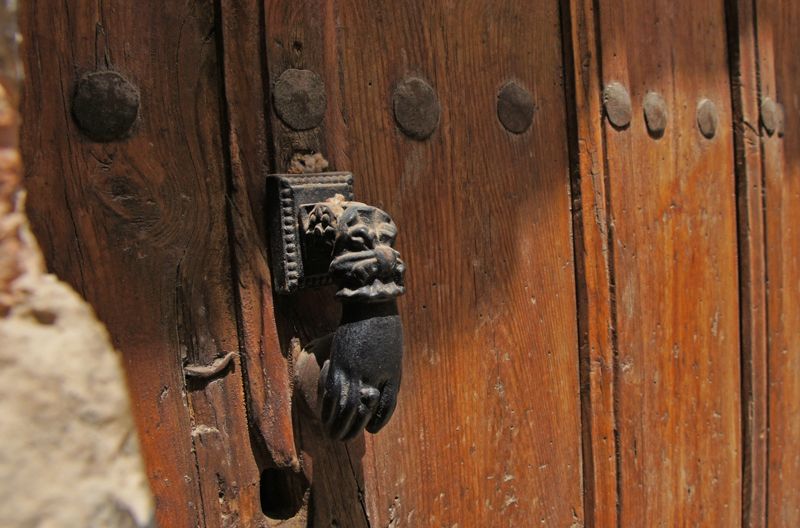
(268,386)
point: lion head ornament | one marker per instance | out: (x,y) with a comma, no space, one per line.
(364,264)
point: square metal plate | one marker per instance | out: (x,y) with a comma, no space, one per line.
(287,196)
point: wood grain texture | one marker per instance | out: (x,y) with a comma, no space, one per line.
(743,59)
(302,35)
(488,427)
(776,29)
(593,268)
(267,369)
(487,431)
(673,213)
(672,401)
(139,227)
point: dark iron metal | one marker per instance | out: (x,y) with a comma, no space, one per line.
(416,108)
(299,99)
(287,194)
(320,235)
(617,104)
(105,106)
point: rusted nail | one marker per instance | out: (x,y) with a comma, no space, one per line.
(707,118)
(515,107)
(105,105)
(655,114)
(299,99)
(207,371)
(769,115)
(416,108)
(617,103)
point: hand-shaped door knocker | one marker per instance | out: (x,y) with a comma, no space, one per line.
(319,236)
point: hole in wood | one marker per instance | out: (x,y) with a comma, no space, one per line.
(283,493)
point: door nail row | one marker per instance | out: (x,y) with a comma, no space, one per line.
(619,112)
(106,105)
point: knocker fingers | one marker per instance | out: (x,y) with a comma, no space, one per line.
(368,402)
(341,405)
(332,395)
(385,408)
(345,414)
(347,407)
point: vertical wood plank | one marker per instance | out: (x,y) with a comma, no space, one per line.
(487,431)
(302,35)
(777,23)
(488,426)
(593,271)
(752,268)
(267,371)
(673,223)
(139,227)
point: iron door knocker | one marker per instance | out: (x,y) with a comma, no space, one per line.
(321,236)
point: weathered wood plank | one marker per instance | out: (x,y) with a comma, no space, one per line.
(778,63)
(267,377)
(302,35)
(139,227)
(673,213)
(487,431)
(752,266)
(488,426)
(593,268)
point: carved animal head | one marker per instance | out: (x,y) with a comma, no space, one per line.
(365,265)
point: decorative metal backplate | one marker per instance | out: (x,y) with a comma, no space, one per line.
(290,198)
(320,235)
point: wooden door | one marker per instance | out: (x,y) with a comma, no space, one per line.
(491,425)
(598,317)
